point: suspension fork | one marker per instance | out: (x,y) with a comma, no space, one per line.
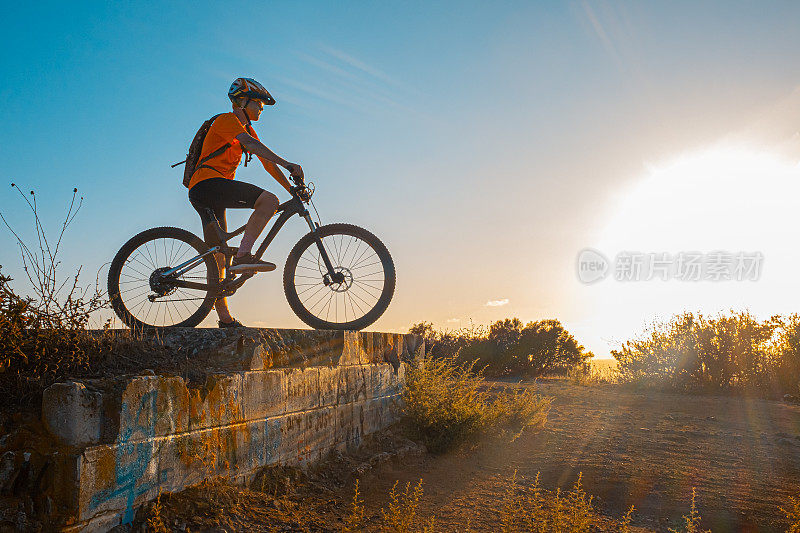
(331,276)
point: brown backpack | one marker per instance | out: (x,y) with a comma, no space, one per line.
(193,161)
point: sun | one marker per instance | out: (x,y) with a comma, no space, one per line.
(725,198)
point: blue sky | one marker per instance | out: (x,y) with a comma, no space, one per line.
(486,143)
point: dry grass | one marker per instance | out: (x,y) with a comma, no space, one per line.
(400,514)
(155,519)
(523,508)
(536,510)
(792,514)
(448,403)
(594,372)
(354,521)
(692,520)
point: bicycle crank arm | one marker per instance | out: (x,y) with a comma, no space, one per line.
(230,287)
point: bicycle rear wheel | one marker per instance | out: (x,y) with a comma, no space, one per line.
(368,278)
(143,299)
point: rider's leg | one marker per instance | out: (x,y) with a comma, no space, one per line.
(221,305)
(266,206)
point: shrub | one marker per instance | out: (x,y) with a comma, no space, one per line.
(733,352)
(447,403)
(508,347)
(44,337)
(545,346)
(787,354)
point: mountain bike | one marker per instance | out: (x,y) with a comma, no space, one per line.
(337,276)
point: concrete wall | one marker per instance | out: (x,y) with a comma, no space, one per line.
(123,442)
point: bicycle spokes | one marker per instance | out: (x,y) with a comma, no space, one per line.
(353,289)
(154,298)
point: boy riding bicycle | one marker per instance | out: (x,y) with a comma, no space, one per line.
(212,185)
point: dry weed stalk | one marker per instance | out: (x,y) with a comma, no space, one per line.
(354,521)
(692,520)
(58,303)
(155,520)
(793,514)
(625,521)
(401,513)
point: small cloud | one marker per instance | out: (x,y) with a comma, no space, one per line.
(454,320)
(496,303)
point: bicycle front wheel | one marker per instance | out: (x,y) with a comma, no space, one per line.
(143,298)
(366,283)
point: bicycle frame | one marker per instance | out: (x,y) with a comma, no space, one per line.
(231,283)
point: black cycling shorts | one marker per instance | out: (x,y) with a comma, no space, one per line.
(219,194)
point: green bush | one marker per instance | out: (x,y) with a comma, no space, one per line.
(447,403)
(727,352)
(508,347)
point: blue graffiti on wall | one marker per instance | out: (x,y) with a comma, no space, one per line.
(132,458)
(265,440)
(272,439)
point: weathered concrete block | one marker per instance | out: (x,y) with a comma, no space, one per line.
(391,408)
(352,349)
(328,385)
(302,389)
(352,383)
(379,380)
(321,428)
(348,431)
(371,416)
(131,438)
(151,406)
(414,346)
(73,413)
(291,438)
(396,381)
(264,394)
(222,403)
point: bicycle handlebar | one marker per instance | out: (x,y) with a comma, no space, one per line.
(302,191)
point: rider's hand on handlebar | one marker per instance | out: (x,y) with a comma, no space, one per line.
(295,170)
(302,192)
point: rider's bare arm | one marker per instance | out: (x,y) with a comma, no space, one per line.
(254,146)
(276,173)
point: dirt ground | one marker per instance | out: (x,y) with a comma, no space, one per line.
(646,449)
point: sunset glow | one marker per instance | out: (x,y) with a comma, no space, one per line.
(725,198)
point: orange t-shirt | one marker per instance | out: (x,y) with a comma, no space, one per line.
(224,130)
